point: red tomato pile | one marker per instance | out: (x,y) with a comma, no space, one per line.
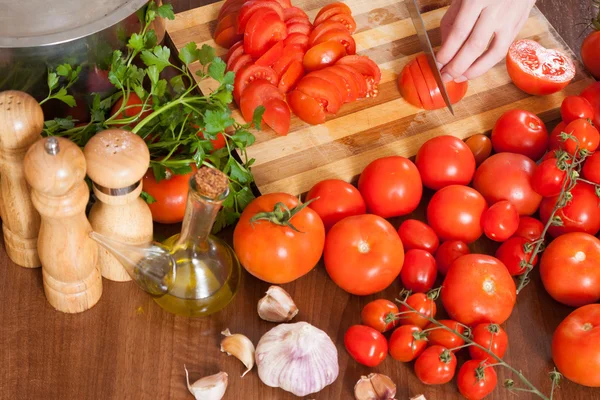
(275,51)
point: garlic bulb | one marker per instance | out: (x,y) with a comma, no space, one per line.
(208,388)
(240,347)
(375,387)
(277,306)
(298,358)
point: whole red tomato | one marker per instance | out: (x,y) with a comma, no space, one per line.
(589,53)
(391,186)
(419,271)
(335,200)
(170,195)
(478,288)
(363,254)
(500,221)
(132,108)
(481,147)
(97,81)
(591,168)
(586,134)
(454,213)
(521,132)
(548,178)
(570,269)
(440,336)
(529,228)
(380,315)
(575,107)
(366,345)
(476,380)
(424,304)
(448,252)
(513,256)
(581,214)
(418,235)
(435,366)
(554,141)
(403,344)
(576,345)
(592,94)
(275,252)
(507,176)
(490,336)
(445,160)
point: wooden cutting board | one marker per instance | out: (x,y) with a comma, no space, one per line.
(386,125)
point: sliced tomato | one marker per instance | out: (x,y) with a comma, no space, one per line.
(290,53)
(264,29)
(346,20)
(297,39)
(421,85)
(359,79)
(338,35)
(298,20)
(334,79)
(240,63)
(229,7)
(349,78)
(306,108)
(292,12)
(324,28)
(257,93)
(323,55)
(299,28)
(284,3)
(252,6)
(277,116)
(330,10)
(227,37)
(432,86)
(368,69)
(228,21)
(272,55)
(408,89)
(235,51)
(319,89)
(250,74)
(291,76)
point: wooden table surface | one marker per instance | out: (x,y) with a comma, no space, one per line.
(126,347)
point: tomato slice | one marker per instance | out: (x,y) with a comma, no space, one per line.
(257,94)
(338,35)
(346,20)
(306,108)
(227,21)
(264,29)
(351,87)
(249,74)
(298,20)
(407,88)
(323,55)
(251,7)
(272,55)
(368,69)
(359,79)
(291,76)
(432,86)
(240,63)
(334,79)
(290,53)
(277,116)
(299,28)
(324,28)
(330,10)
(292,12)
(297,39)
(284,3)
(322,91)
(227,37)
(229,7)
(537,70)
(421,85)
(234,51)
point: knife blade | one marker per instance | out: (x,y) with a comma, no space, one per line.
(417,19)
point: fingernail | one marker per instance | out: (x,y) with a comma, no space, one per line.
(439,65)
(461,79)
(446,78)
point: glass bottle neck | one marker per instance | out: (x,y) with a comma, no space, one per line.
(199,217)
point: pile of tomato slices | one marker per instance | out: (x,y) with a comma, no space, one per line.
(281,60)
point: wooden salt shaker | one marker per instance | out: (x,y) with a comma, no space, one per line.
(55,169)
(116,162)
(21,122)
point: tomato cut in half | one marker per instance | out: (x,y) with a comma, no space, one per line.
(537,70)
(421,86)
(323,55)
(330,10)
(324,28)
(235,51)
(368,69)
(297,39)
(227,38)
(351,87)
(335,80)
(306,108)
(290,53)
(408,89)
(299,28)
(298,20)
(359,79)
(251,7)
(434,90)
(292,12)
(346,20)
(264,29)
(272,55)
(257,94)
(291,76)
(322,91)
(249,74)
(277,116)
(240,63)
(341,36)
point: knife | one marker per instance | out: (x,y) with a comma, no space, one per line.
(415,15)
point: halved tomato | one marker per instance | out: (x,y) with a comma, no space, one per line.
(367,68)
(299,28)
(252,6)
(407,88)
(432,86)
(537,70)
(323,55)
(421,85)
(264,29)
(324,28)
(330,10)
(335,80)
(297,39)
(349,78)
(290,53)
(306,108)
(234,52)
(249,74)
(346,20)
(292,12)
(319,89)
(338,35)
(277,116)
(298,20)
(272,55)
(291,76)
(359,79)
(240,63)
(257,94)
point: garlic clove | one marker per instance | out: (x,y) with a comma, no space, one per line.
(277,306)
(375,387)
(208,388)
(240,347)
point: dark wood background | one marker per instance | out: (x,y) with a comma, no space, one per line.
(126,347)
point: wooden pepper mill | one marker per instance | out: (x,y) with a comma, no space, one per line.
(116,162)
(55,169)
(21,122)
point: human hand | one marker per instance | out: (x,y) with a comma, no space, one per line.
(476,35)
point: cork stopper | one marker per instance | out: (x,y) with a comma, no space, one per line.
(211,183)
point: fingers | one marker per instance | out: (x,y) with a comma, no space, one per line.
(447,21)
(458,33)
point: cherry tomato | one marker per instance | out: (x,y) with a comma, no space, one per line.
(367,68)
(513,255)
(404,346)
(290,77)
(424,304)
(579,215)
(445,160)
(249,74)
(380,315)
(330,10)
(589,53)
(537,70)
(419,271)
(569,269)
(366,345)
(481,147)
(476,380)
(335,200)
(363,254)
(548,179)
(576,345)
(554,141)
(265,27)
(521,132)
(575,107)
(591,168)
(306,107)
(529,228)
(490,336)
(515,171)
(133,107)
(435,366)
(448,252)
(478,288)
(328,96)
(455,213)
(587,136)
(170,195)
(217,143)
(418,235)
(592,94)
(441,337)
(391,186)
(500,221)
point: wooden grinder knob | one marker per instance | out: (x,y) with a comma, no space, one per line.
(55,169)
(116,162)
(21,122)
